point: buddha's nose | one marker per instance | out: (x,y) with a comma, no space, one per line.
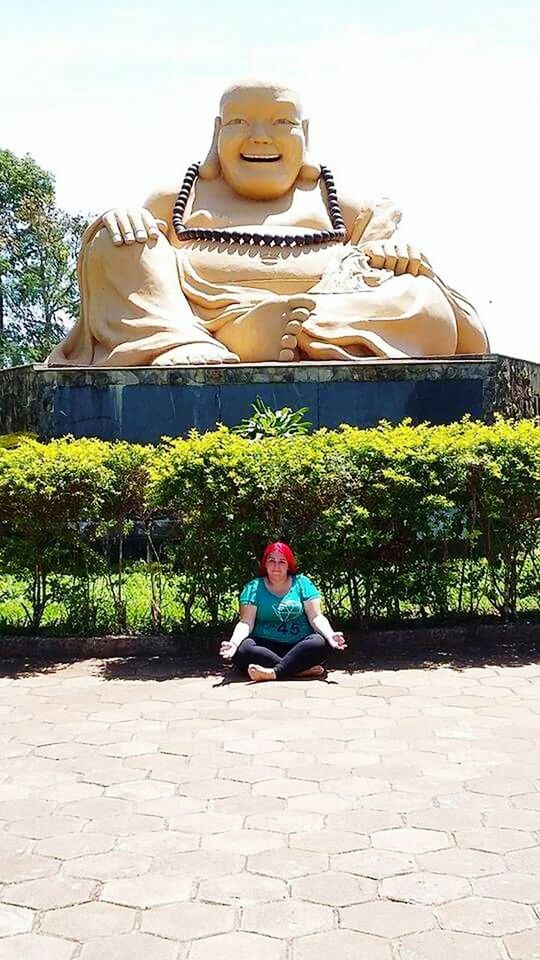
(259,132)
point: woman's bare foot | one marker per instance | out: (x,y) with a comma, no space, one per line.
(312,672)
(261,673)
(268,331)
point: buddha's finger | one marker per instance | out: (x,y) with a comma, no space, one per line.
(138,225)
(126,228)
(375,255)
(415,260)
(402,259)
(150,224)
(390,256)
(111,223)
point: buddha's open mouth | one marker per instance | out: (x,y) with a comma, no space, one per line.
(254,158)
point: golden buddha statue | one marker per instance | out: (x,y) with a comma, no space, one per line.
(259,259)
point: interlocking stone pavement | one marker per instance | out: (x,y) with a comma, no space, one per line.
(153,811)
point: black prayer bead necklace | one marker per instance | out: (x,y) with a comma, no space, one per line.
(336,235)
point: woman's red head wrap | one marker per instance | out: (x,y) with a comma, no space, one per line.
(282,548)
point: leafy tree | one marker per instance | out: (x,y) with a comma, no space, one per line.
(38,251)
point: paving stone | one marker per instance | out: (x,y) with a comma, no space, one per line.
(242,889)
(410,840)
(149,891)
(373,863)
(321,803)
(445,819)
(395,802)
(520,887)
(513,819)
(64,792)
(188,921)
(525,945)
(499,786)
(424,888)
(75,845)
(386,918)
(287,918)
(344,944)
(446,945)
(107,866)
(108,774)
(328,841)
(199,864)
(286,821)
(169,807)
(87,920)
(14,920)
(460,862)
(494,840)
(489,917)
(527,861)
(363,821)
(246,805)
(287,864)
(96,807)
(32,946)
(141,790)
(50,892)
(26,866)
(528,801)
(25,809)
(164,844)
(41,827)
(130,946)
(333,888)
(241,946)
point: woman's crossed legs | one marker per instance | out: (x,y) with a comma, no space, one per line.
(281,660)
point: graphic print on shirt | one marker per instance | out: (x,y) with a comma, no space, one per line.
(288,613)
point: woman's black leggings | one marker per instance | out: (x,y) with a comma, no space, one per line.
(286,660)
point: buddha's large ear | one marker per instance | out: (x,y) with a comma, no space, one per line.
(210,168)
(309,171)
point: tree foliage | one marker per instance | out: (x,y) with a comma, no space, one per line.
(38,251)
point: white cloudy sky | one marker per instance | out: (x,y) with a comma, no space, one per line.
(434,103)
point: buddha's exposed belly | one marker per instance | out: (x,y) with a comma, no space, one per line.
(278,269)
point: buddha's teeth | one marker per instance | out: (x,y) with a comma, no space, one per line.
(250,156)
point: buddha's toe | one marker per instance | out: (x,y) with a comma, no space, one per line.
(288,342)
(300,301)
(285,356)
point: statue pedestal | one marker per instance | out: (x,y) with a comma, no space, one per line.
(145,403)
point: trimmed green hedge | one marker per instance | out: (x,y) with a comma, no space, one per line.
(391,522)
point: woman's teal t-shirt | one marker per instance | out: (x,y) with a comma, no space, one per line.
(280,618)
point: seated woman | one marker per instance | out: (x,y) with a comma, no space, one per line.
(281,632)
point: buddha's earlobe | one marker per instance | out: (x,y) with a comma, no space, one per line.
(210,168)
(309,171)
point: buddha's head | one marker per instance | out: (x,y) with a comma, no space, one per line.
(259,140)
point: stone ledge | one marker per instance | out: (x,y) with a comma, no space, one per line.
(362,644)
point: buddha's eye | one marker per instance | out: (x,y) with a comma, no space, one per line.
(283,121)
(235,120)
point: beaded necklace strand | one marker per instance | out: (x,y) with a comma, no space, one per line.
(336,235)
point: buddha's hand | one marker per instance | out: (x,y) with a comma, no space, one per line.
(228,649)
(130,226)
(392,255)
(337,641)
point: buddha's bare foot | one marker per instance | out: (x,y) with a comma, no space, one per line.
(268,331)
(261,673)
(312,673)
(196,353)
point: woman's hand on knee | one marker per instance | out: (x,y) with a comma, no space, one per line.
(228,649)
(337,641)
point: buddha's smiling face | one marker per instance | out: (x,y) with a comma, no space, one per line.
(261,141)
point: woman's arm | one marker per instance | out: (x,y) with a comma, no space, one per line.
(242,630)
(321,624)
